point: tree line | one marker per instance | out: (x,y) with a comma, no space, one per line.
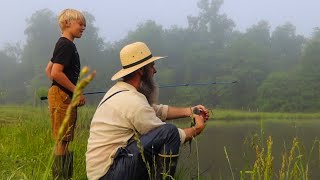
(276,70)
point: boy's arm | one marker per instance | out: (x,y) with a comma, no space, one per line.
(58,75)
(48,70)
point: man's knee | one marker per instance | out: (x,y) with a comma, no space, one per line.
(172,137)
(170,130)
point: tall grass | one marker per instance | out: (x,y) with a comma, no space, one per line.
(26,145)
(294,165)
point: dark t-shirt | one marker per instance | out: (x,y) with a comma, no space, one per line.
(66,54)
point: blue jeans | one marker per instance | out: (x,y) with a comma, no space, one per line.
(128,163)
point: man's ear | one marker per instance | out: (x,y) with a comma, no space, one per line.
(140,71)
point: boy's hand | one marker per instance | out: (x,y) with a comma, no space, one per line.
(82,100)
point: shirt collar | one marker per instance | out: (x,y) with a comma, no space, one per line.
(124,85)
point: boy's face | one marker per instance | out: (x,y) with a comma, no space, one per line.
(76,28)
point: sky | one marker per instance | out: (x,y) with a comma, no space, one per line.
(115,18)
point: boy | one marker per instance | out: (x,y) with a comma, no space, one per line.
(63,70)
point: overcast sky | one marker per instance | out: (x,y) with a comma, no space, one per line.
(115,18)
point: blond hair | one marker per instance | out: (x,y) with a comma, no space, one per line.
(68,15)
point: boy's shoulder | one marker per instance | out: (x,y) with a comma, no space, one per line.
(63,42)
(63,45)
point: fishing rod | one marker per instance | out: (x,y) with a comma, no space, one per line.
(164,86)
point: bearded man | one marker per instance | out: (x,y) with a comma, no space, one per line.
(129,138)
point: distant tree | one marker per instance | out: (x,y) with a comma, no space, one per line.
(286,44)
(310,71)
(310,59)
(259,34)
(297,89)
(274,92)
(249,63)
(7,72)
(14,51)
(149,32)
(212,26)
(42,32)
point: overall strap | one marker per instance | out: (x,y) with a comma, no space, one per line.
(111,96)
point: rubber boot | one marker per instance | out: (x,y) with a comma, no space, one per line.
(57,167)
(166,166)
(68,166)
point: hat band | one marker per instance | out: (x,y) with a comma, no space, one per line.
(138,62)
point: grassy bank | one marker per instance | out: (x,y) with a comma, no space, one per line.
(26,144)
(220,114)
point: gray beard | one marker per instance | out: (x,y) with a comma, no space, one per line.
(149,88)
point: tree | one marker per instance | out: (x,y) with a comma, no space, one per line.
(310,60)
(297,89)
(42,32)
(149,32)
(6,63)
(286,44)
(212,27)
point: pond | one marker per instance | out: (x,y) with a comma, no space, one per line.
(237,139)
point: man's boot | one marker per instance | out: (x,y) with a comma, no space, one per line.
(57,167)
(68,166)
(166,166)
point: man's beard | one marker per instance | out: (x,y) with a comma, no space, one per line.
(149,88)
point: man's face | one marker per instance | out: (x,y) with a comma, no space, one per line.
(148,86)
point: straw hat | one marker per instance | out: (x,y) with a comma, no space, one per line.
(133,57)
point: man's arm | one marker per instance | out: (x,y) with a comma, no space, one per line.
(195,130)
(200,118)
(48,70)
(178,112)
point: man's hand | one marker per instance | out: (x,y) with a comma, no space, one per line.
(203,112)
(200,123)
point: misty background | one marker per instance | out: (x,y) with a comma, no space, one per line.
(115,18)
(270,47)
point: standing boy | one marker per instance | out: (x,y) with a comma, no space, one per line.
(63,70)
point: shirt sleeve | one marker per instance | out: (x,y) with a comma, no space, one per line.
(161,111)
(182,135)
(63,54)
(145,119)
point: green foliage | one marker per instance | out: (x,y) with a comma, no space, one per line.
(208,50)
(295,90)
(26,144)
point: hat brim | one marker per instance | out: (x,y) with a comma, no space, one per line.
(124,72)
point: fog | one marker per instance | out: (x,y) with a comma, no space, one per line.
(271,48)
(115,18)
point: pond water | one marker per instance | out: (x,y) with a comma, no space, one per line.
(238,139)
